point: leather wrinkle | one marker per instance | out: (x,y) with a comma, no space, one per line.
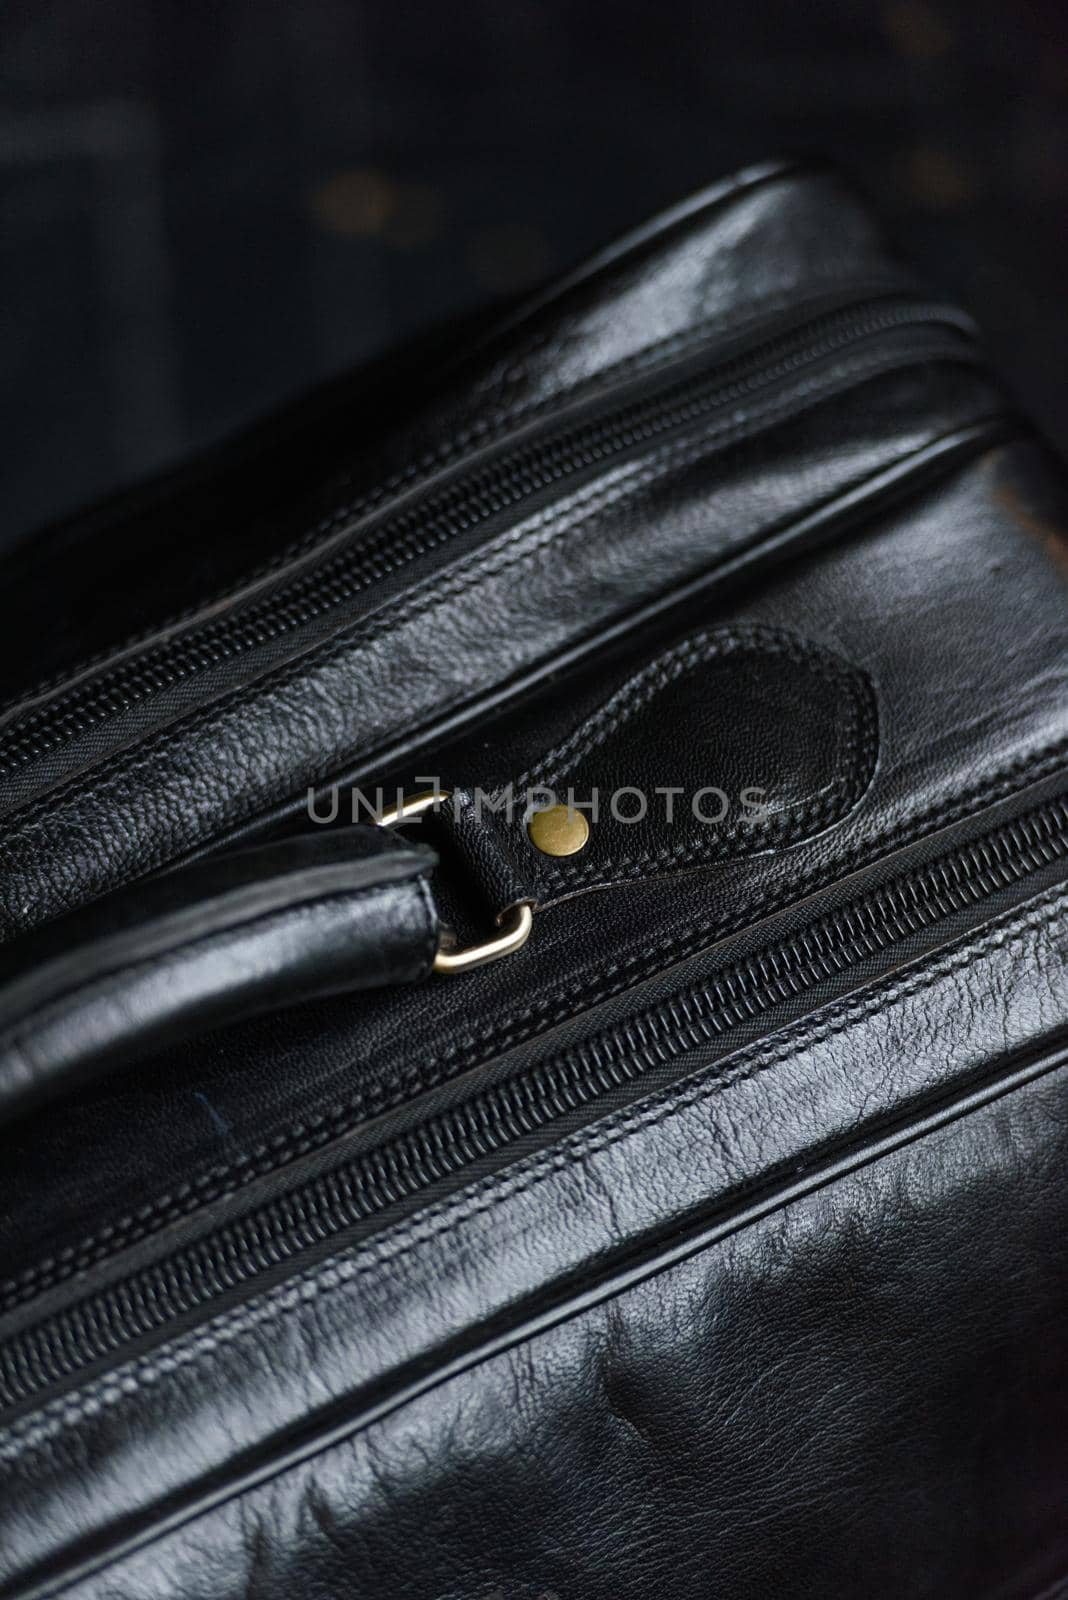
(339,897)
(787,1280)
(55,1416)
(429,460)
(483,432)
(311,1133)
(424,597)
(490,430)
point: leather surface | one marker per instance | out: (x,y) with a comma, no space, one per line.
(237,508)
(164,776)
(513,606)
(926,600)
(700,715)
(255,930)
(494,859)
(854,1383)
(788,1317)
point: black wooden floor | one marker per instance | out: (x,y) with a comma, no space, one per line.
(204,208)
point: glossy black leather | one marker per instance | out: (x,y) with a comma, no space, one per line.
(787,1315)
(700,714)
(490,852)
(926,600)
(817,1339)
(254,930)
(488,618)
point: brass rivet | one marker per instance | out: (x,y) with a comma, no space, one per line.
(558,831)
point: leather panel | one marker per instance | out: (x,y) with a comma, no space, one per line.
(511,606)
(788,1319)
(971,709)
(300,477)
(239,733)
(543,1240)
(814,1407)
(766,739)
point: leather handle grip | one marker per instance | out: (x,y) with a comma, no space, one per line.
(220,940)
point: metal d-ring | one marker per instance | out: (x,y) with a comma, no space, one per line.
(515,921)
(408,809)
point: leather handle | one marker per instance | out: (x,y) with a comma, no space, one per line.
(223,939)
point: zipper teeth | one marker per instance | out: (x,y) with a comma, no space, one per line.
(446,513)
(150,1301)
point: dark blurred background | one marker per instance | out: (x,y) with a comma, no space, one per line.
(207,208)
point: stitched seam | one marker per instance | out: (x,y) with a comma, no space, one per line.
(424,597)
(483,431)
(512,372)
(58,1415)
(302,1137)
(661,350)
(530,341)
(633,696)
(858,727)
(432,591)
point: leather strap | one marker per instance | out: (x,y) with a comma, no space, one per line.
(487,847)
(223,939)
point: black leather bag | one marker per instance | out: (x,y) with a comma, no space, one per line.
(533,1007)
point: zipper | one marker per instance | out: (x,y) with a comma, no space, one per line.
(103,1326)
(585,442)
